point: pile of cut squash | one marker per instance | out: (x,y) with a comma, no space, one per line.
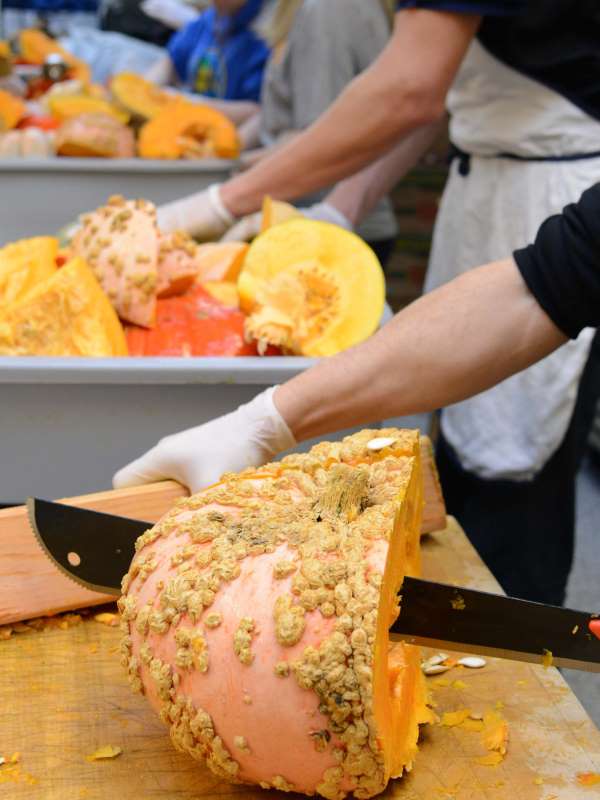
(122,287)
(128,118)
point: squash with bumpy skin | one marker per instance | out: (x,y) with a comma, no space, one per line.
(67,314)
(12,110)
(312,288)
(256,618)
(140,98)
(120,243)
(188,130)
(176,264)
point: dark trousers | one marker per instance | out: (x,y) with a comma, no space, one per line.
(525,531)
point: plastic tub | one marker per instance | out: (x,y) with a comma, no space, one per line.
(43,195)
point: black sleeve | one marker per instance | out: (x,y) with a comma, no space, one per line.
(492,8)
(562,268)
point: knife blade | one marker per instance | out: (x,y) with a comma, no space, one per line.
(95,550)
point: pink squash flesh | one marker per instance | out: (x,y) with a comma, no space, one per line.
(176,266)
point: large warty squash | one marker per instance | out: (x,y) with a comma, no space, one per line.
(256,619)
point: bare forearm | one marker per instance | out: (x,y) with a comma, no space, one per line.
(404,89)
(162,72)
(357,196)
(451,344)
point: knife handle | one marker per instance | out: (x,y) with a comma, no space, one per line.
(30,586)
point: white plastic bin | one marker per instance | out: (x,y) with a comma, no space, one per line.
(40,196)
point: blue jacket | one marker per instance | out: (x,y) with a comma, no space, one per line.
(220,55)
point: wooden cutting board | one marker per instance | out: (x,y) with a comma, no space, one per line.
(63,694)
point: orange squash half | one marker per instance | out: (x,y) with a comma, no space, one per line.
(312,288)
(188,130)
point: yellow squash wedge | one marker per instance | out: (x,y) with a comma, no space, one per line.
(67,314)
(311,288)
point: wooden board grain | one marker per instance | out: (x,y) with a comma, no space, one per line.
(30,585)
(63,694)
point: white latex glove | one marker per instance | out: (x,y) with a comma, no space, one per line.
(247,437)
(325,212)
(203,215)
(249,227)
(244,230)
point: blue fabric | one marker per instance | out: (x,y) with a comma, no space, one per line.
(483,7)
(220,56)
(48,6)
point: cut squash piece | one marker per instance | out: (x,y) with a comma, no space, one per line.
(220,261)
(194,324)
(35,47)
(68,314)
(176,264)
(311,288)
(120,243)
(65,106)
(140,98)
(224,291)
(257,614)
(274,212)
(23,265)
(95,136)
(12,110)
(188,130)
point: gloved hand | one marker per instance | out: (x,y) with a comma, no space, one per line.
(247,437)
(203,215)
(249,227)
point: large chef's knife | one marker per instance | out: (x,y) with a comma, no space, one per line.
(96,549)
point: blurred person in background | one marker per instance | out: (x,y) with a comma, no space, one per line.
(520,79)
(220,55)
(318,47)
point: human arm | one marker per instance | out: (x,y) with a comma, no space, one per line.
(453,343)
(457,341)
(358,195)
(403,89)
(162,72)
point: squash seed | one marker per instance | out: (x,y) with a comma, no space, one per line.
(380,443)
(472,662)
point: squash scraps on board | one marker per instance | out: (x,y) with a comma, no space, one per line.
(105,752)
(451,719)
(588,778)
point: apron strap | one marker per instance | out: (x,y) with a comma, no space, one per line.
(464,159)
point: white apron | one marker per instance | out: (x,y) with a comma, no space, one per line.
(511,430)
